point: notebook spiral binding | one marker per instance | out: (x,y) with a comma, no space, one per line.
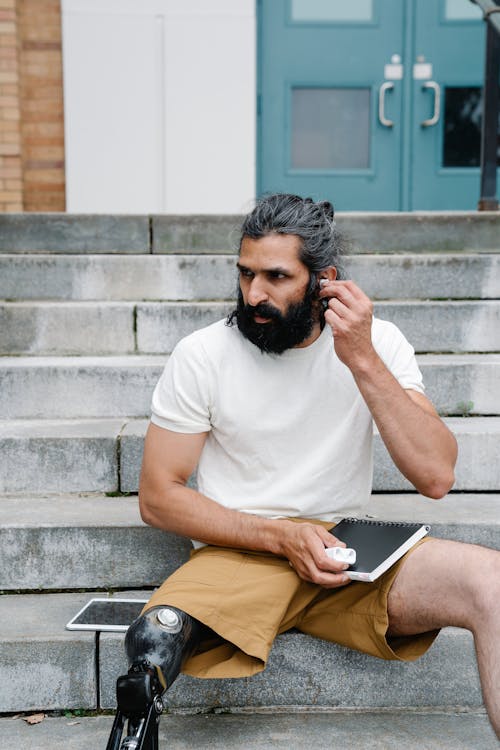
(373,522)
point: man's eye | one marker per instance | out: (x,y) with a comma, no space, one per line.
(277,275)
(246,273)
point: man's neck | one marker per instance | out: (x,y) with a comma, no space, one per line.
(315,334)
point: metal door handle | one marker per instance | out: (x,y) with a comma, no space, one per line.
(437,104)
(386,86)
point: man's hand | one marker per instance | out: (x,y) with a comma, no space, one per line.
(420,444)
(304,546)
(349,315)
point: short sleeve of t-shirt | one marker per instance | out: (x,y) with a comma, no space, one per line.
(181,399)
(398,355)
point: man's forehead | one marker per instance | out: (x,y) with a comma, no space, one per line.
(272,249)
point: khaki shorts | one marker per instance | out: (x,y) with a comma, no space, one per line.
(248,598)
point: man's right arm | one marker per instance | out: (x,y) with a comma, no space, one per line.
(166,503)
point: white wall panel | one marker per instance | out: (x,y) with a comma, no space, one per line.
(159,105)
(210,118)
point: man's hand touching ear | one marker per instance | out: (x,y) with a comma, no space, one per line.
(349,314)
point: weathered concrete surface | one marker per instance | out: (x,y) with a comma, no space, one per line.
(66,328)
(446,326)
(86,328)
(419,231)
(161,325)
(305,671)
(78,387)
(131,450)
(122,386)
(426,276)
(398,232)
(467,326)
(124,277)
(71,541)
(57,456)
(81,456)
(462,384)
(207,277)
(74,542)
(196,233)
(44,665)
(364,730)
(478,469)
(73,233)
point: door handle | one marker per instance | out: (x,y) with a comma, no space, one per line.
(437,104)
(386,86)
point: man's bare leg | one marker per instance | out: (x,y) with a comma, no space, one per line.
(449,583)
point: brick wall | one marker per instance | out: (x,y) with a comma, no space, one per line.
(11,192)
(31,106)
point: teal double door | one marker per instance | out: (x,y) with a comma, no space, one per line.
(373,104)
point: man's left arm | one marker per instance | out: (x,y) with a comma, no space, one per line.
(420,444)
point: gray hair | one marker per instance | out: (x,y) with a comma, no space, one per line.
(322,245)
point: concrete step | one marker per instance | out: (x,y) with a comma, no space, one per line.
(67,328)
(417,231)
(478,469)
(122,386)
(74,542)
(207,277)
(462,384)
(78,387)
(48,667)
(446,326)
(89,328)
(73,233)
(59,456)
(105,455)
(364,730)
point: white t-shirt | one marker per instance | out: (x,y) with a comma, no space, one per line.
(288,434)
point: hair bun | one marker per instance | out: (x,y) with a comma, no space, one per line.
(328,209)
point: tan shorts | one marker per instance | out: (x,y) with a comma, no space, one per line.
(248,598)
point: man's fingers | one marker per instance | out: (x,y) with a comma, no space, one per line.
(329,539)
(343,290)
(308,558)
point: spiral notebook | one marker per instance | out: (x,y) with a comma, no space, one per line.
(378,544)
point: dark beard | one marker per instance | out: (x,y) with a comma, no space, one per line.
(283,331)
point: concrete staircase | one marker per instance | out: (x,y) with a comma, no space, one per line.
(90,308)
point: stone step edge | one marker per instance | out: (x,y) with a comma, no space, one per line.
(66,543)
(98,510)
(182,277)
(98,361)
(259,729)
(37,232)
(121,441)
(36,635)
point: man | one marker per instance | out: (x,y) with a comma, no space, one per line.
(275,408)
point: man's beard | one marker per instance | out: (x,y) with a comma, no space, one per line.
(282,332)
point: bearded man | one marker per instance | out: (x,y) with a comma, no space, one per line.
(274,408)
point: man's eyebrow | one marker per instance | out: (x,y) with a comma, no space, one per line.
(274,269)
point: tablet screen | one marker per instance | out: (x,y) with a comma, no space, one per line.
(107,614)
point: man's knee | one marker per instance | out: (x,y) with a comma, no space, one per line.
(163,637)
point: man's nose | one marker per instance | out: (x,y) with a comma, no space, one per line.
(256,292)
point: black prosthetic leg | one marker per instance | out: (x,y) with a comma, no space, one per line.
(157,644)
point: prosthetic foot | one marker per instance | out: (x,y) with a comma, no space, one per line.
(157,644)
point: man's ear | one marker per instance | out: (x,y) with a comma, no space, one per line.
(329,273)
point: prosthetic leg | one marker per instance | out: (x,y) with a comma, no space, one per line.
(157,644)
